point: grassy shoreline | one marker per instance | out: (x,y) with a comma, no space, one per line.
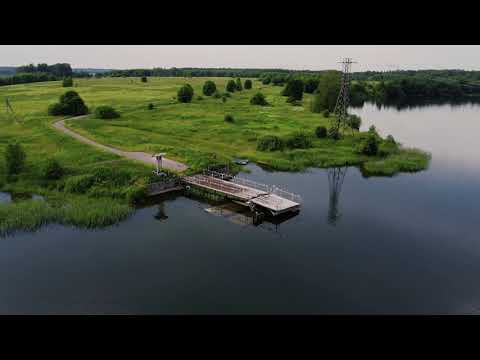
(194,133)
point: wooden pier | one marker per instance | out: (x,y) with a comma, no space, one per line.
(246,192)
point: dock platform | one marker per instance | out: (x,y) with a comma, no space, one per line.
(248,193)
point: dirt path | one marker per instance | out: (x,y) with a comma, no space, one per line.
(134,155)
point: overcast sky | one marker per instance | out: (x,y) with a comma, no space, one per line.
(314,57)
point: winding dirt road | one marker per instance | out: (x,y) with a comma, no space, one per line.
(134,155)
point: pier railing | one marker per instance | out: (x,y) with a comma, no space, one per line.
(272,189)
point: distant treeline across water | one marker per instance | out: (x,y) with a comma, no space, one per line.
(375,86)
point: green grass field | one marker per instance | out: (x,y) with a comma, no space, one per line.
(192,133)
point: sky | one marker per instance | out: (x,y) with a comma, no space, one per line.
(301,57)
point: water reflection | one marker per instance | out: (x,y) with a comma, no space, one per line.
(412,103)
(335,182)
(161,215)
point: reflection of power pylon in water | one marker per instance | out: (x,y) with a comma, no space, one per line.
(160,215)
(335,182)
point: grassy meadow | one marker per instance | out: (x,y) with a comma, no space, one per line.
(193,133)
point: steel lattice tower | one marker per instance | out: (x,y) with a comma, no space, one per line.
(341,106)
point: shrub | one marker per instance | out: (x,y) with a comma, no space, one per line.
(185,94)
(369,146)
(227,94)
(14,158)
(106,112)
(67,82)
(150,106)
(238,85)
(56,109)
(231,86)
(248,84)
(229,118)
(199,98)
(258,99)
(298,141)
(270,143)
(209,88)
(354,122)
(321,132)
(52,170)
(217,95)
(144,79)
(266,81)
(387,148)
(224,98)
(70,104)
(326,114)
(79,184)
(333,133)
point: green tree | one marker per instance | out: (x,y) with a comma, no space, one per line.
(325,96)
(209,88)
(106,112)
(52,170)
(248,84)
(294,90)
(14,158)
(238,85)
(70,104)
(185,93)
(258,99)
(231,86)
(311,85)
(144,79)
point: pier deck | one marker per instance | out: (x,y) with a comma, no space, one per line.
(246,195)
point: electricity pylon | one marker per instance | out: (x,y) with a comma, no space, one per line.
(341,107)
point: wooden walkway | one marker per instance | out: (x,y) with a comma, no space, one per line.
(246,195)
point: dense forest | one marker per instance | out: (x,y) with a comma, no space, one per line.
(42,72)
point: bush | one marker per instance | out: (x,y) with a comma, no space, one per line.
(209,88)
(67,82)
(321,132)
(354,122)
(52,170)
(333,133)
(136,195)
(229,118)
(106,112)
(258,99)
(270,143)
(231,86)
(199,98)
(144,79)
(238,85)
(326,114)
(248,84)
(224,98)
(56,109)
(387,148)
(14,158)
(369,146)
(298,141)
(266,81)
(185,94)
(70,104)
(79,184)
(150,106)
(217,95)
(227,94)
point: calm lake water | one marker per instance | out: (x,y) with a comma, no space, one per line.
(407,244)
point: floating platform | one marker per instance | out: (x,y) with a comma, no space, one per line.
(244,194)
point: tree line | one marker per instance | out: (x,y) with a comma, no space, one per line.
(41,72)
